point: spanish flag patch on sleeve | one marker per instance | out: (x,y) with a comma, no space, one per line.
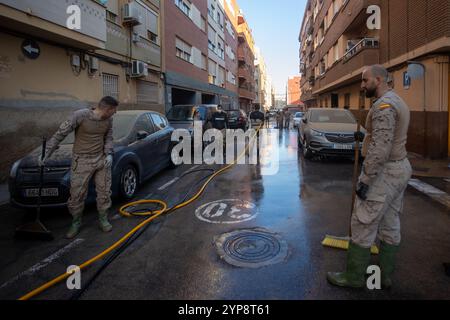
(385,106)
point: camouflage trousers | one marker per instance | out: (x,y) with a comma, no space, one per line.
(82,170)
(379,215)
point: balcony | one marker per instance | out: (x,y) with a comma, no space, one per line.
(245,73)
(361,45)
(347,71)
(246,92)
(47,20)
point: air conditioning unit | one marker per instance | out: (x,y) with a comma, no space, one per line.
(139,69)
(131,14)
(93,64)
(135,37)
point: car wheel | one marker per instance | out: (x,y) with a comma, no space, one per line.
(128,182)
(171,164)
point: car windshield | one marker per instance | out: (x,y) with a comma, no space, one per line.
(122,125)
(185,113)
(299,115)
(234,114)
(332,116)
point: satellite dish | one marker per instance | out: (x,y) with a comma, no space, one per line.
(416,70)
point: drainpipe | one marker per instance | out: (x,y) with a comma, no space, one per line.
(416,75)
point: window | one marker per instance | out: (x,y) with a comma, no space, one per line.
(347,100)
(183,50)
(111,17)
(143,124)
(203,66)
(203,24)
(211,11)
(158,121)
(152,37)
(362,100)
(336,52)
(110,85)
(220,51)
(183,6)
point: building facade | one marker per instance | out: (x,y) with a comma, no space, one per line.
(294,91)
(246,58)
(48,70)
(336,44)
(195,54)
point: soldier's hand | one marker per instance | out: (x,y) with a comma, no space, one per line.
(359,136)
(361,191)
(109,161)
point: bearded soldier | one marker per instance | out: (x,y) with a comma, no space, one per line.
(92,158)
(382,183)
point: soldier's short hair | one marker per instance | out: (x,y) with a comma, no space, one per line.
(108,102)
(379,71)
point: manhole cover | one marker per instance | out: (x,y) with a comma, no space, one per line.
(251,248)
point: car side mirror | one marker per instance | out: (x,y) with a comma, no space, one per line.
(141,135)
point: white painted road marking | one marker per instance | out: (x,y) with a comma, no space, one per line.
(171,182)
(40,265)
(434,193)
(227,211)
(168,184)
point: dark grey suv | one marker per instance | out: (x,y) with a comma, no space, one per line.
(328,132)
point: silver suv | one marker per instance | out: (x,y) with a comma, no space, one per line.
(328,132)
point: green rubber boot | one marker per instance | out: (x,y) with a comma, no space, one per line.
(388,253)
(358,259)
(74,227)
(103,221)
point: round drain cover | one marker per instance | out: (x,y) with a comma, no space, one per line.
(251,248)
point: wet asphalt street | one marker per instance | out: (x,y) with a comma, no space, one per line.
(249,236)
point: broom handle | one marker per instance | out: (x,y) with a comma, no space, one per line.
(355,180)
(41,179)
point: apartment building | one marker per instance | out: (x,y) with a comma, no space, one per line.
(412,36)
(195,65)
(262,83)
(47,70)
(294,93)
(246,57)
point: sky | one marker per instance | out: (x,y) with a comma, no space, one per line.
(275,26)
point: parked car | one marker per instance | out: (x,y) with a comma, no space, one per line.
(237,119)
(298,118)
(328,132)
(182,116)
(142,148)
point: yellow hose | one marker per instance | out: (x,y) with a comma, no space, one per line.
(153,215)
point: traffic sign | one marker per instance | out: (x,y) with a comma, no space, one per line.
(31,49)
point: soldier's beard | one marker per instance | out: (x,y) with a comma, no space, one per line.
(370,93)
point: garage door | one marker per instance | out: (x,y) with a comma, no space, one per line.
(147,92)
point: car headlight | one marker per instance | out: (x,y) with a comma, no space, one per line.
(14,168)
(316,133)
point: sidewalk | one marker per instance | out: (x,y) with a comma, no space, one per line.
(429,168)
(431,177)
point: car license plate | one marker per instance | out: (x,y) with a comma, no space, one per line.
(343,146)
(46,192)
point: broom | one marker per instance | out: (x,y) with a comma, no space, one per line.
(344,242)
(36,229)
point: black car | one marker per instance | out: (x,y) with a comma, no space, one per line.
(182,116)
(142,148)
(237,119)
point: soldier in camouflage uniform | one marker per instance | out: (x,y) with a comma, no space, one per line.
(92,157)
(382,183)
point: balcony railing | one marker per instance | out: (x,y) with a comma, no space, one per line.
(361,45)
